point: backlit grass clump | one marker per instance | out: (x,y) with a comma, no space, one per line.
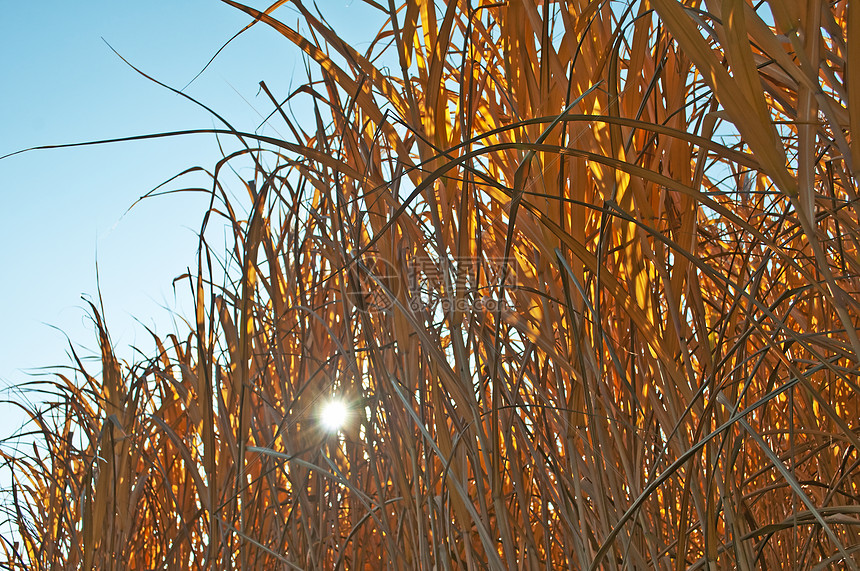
(580,278)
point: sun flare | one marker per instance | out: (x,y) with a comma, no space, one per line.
(333,415)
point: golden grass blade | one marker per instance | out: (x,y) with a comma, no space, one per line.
(584,278)
(853,81)
(760,132)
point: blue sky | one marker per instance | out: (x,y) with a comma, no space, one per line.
(63,210)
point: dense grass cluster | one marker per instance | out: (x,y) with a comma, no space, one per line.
(585,273)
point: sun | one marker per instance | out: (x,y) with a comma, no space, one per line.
(333,415)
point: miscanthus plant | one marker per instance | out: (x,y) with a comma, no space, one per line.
(582,277)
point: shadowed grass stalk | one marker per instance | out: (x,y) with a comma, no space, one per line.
(584,276)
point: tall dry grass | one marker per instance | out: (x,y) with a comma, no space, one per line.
(585,272)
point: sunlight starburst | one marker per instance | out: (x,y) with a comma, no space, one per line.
(333,415)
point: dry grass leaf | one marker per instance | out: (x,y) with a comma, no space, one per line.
(583,276)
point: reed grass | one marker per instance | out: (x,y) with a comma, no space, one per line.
(585,274)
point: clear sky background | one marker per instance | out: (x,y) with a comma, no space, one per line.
(63,210)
